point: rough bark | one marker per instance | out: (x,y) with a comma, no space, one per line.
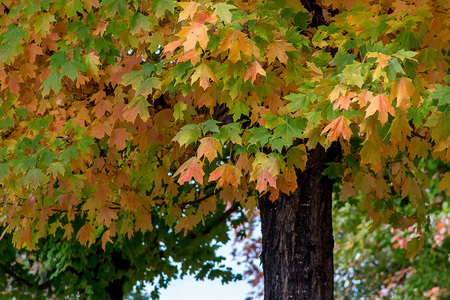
(114,290)
(297,235)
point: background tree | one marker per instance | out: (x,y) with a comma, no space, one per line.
(114,110)
(58,268)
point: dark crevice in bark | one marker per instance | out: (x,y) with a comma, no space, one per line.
(297,234)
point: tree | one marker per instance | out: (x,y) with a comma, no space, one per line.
(371,264)
(116,110)
(58,268)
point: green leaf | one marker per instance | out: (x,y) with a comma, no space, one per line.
(440,124)
(279,144)
(161,6)
(69,153)
(57,60)
(298,102)
(231,132)
(71,69)
(4,169)
(210,125)
(406,39)
(84,145)
(10,45)
(239,109)
(139,105)
(34,178)
(394,68)
(223,11)
(333,171)
(442,94)
(46,156)
(178,110)
(188,134)
(260,134)
(290,129)
(6,123)
(74,7)
(300,20)
(56,168)
(52,82)
(139,21)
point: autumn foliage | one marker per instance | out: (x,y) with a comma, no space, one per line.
(112,110)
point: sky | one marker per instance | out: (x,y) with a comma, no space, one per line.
(190,289)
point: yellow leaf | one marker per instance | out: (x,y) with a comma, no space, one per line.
(204,73)
(189,10)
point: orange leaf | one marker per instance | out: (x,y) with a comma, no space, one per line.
(236,42)
(344,101)
(119,138)
(254,69)
(209,147)
(380,104)
(190,169)
(195,32)
(228,174)
(339,126)
(277,49)
(86,233)
(105,215)
(403,90)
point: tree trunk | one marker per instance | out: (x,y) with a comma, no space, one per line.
(297,235)
(114,290)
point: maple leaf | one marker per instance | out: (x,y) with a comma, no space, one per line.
(192,168)
(236,42)
(189,10)
(119,138)
(196,32)
(106,237)
(253,70)
(129,201)
(227,174)
(344,101)
(34,178)
(382,105)
(403,90)
(382,59)
(204,73)
(277,49)
(222,10)
(87,233)
(105,215)
(139,105)
(371,154)
(91,61)
(338,126)
(209,147)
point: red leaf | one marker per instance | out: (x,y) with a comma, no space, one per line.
(227,174)
(190,169)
